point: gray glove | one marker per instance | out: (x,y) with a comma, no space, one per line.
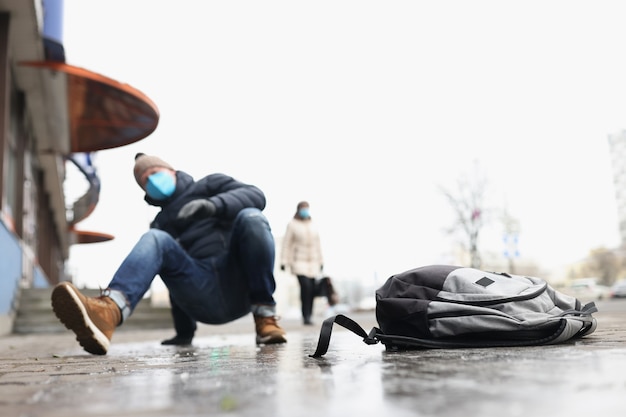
(196,209)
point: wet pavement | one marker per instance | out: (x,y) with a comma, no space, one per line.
(225,373)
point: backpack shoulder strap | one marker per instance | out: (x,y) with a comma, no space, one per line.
(327,329)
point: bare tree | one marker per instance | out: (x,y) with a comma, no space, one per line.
(603,263)
(467,202)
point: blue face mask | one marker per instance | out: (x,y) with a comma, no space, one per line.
(304,213)
(160,185)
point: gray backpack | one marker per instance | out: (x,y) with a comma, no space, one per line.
(444,306)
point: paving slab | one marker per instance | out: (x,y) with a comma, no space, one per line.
(225,373)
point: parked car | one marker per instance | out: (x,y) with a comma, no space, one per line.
(587,289)
(618,290)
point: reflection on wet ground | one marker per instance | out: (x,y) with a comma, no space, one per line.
(278,380)
(229,375)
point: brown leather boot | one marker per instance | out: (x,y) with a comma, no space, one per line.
(93,319)
(268,331)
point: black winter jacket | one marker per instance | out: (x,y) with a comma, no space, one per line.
(208,236)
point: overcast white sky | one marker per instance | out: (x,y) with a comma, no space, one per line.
(365,108)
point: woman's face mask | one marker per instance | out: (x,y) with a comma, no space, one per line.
(160,185)
(304,213)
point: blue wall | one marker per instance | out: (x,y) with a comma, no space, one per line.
(39,278)
(10,267)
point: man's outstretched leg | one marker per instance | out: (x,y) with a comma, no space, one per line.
(93,319)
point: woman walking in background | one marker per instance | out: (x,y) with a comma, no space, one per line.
(302,254)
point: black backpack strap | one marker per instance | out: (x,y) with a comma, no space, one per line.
(327,329)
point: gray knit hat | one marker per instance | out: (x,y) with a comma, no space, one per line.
(144,162)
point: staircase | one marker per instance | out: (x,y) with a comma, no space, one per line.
(35,315)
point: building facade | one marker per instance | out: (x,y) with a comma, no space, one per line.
(52,114)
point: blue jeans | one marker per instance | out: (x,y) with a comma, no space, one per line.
(213,290)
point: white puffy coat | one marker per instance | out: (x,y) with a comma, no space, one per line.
(302,249)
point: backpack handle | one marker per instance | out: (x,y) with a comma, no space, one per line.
(327,329)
